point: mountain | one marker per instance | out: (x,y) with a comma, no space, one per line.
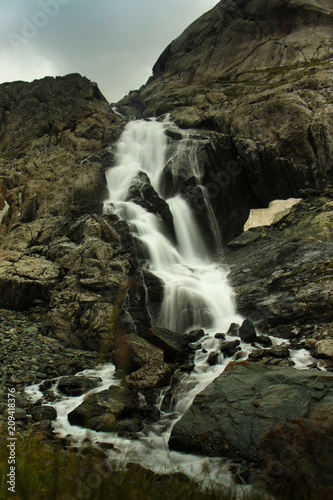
(258,76)
(251,83)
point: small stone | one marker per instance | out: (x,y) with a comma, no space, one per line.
(213,358)
(279,351)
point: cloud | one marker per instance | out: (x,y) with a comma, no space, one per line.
(114,43)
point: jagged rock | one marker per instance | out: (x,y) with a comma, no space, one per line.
(133,352)
(142,193)
(79,266)
(229,348)
(247,332)
(172,343)
(324,348)
(239,413)
(76,386)
(283,280)
(113,403)
(152,375)
(25,280)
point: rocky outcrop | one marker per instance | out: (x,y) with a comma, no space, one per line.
(49,129)
(269,416)
(71,267)
(259,75)
(284,277)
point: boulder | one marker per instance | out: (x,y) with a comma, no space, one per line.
(247,332)
(76,386)
(113,403)
(46,412)
(251,406)
(324,348)
(172,343)
(153,375)
(133,352)
(229,348)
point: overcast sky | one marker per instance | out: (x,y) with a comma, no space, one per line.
(112,42)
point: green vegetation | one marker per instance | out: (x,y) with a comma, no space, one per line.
(46,471)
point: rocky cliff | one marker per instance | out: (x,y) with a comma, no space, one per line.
(259,75)
(252,81)
(59,257)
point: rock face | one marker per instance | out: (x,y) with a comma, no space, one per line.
(61,259)
(268,416)
(259,75)
(284,277)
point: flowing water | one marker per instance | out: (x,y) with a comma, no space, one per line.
(196,295)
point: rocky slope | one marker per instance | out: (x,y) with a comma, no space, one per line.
(252,81)
(60,259)
(259,75)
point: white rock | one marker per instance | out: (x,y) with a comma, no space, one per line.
(268,216)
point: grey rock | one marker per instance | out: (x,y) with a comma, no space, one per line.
(43,413)
(76,386)
(247,332)
(249,405)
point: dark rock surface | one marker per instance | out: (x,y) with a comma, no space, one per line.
(76,386)
(250,406)
(283,281)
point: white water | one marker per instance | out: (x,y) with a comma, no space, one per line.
(197,294)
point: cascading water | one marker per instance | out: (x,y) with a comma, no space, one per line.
(196,294)
(196,290)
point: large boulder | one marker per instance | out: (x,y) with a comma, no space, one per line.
(133,352)
(250,406)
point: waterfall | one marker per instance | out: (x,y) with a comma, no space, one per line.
(196,291)
(196,295)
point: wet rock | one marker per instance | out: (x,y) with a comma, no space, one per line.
(264,340)
(43,413)
(220,336)
(172,343)
(76,386)
(228,349)
(278,351)
(132,352)
(257,354)
(153,375)
(193,336)
(213,358)
(233,330)
(239,413)
(247,332)
(116,402)
(142,193)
